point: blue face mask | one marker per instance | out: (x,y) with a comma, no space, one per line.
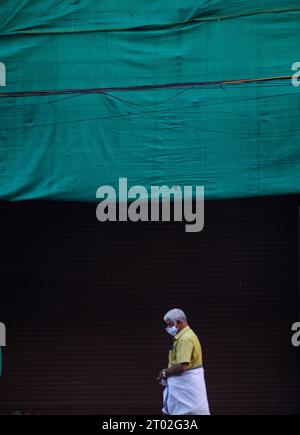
(172,330)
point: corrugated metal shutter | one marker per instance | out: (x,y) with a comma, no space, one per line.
(83,305)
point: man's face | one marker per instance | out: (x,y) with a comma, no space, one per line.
(172,328)
(170,324)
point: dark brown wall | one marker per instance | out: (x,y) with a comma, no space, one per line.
(83,305)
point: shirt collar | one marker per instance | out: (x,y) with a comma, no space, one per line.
(183,331)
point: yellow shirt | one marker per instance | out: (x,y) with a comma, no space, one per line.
(186,348)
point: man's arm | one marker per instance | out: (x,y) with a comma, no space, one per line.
(183,356)
(175,370)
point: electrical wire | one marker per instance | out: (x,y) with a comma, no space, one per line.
(140,88)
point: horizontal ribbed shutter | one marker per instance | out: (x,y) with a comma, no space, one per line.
(83,305)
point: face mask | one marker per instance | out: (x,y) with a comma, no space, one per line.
(172,330)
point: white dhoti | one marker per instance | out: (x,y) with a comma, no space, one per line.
(185,394)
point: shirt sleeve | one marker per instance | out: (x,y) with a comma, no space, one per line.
(184,351)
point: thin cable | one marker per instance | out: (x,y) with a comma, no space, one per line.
(151,112)
(140,88)
(150,27)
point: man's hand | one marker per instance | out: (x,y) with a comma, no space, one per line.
(171,371)
(160,375)
(175,370)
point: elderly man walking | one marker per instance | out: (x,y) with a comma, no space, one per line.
(185,389)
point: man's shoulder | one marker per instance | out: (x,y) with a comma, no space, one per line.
(189,336)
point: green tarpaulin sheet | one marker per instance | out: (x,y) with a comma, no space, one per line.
(236,140)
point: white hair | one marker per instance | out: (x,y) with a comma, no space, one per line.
(174,315)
